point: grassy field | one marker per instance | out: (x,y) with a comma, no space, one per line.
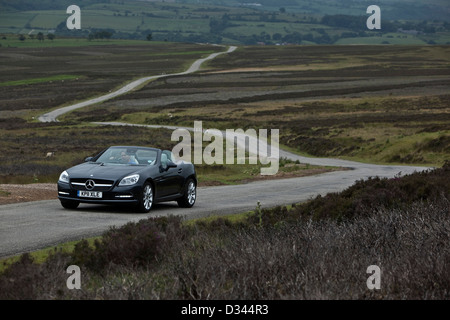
(38,80)
(12,41)
(232,23)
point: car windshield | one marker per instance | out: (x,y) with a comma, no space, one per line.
(128,156)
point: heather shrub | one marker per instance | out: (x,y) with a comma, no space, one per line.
(134,244)
(27,280)
(363,196)
(20,278)
(263,217)
(323,259)
(218,225)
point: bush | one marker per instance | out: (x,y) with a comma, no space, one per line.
(134,244)
(364,196)
(324,259)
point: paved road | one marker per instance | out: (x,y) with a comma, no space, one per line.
(35,225)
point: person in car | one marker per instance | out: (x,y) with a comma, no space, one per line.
(128,159)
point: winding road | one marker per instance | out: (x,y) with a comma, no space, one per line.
(34,225)
(53,115)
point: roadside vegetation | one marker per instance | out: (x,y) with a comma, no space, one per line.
(319,249)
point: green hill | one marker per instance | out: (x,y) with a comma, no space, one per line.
(233,22)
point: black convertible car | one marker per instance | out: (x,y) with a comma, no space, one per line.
(138,176)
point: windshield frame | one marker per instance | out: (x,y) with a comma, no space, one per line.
(137,156)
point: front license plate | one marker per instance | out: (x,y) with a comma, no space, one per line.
(90,194)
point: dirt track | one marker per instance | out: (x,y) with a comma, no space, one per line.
(53,115)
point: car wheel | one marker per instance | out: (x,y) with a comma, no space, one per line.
(70,204)
(190,195)
(146,198)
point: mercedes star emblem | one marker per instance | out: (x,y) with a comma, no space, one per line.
(90,184)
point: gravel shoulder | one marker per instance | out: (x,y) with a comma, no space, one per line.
(16,193)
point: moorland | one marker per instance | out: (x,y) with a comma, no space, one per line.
(379,104)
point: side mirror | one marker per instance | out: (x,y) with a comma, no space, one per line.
(170,164)
(88,159)
(167,165)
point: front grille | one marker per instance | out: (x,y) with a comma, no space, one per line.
(100,184)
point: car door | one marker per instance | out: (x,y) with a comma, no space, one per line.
(169,180)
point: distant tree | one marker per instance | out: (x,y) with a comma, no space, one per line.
(217,26)
(429,29)
(40,36)
(22,37)
(294,37)
(345,21)
(105,35)
(277,36)
(101,34)
(149,37)
(61,27)
(51,36)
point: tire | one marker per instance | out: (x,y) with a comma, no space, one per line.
(190,195)
(70,204)
(146,198)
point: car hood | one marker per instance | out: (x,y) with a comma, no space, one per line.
(100,171)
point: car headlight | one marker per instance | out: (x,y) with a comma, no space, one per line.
(64,177)
(129,180)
